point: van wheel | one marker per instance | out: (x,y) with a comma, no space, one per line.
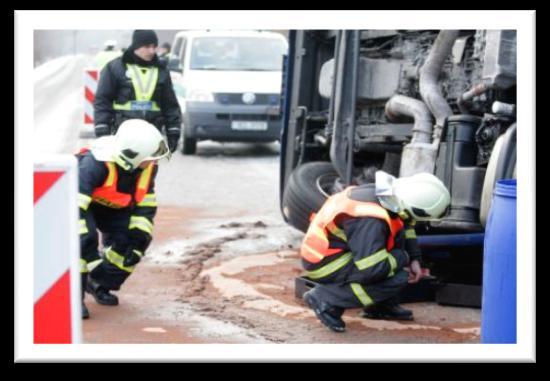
(307,189)
(189,146)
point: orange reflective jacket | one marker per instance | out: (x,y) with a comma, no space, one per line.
(315,246)
(108,194)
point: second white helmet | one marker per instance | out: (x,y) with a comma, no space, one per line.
(423,196)
(110,44)
(137,141)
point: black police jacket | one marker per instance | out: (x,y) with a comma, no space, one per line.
(115,86)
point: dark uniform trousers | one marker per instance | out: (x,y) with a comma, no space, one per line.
(113,225)
(349,288)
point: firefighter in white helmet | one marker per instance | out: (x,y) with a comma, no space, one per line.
(117,197)
(358,244)
(108,54)
(110,45)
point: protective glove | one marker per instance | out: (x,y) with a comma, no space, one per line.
(132,257)
(102,130)
(173,136)
(173,143)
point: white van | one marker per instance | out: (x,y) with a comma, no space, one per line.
(228,84)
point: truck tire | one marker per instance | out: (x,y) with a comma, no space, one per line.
(307,189)
(189,145)
(502,165)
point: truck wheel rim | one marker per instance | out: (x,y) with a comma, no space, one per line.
(325,184)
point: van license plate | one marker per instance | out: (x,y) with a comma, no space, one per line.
(248,126)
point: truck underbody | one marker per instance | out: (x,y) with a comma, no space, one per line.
(404,101)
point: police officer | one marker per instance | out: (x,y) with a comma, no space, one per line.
(137,85)
(358,244)
(117,197)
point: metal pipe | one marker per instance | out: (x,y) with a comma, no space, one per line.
(401,105)
(303,115)
(475,91)
(338,74)
(341,148)
(502,108)
(429,79)
(331,111)
(355,44)
(335,151)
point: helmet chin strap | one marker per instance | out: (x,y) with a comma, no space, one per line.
(404,215)
(123,163)
(385,201)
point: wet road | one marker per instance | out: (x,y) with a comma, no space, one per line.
(222,265)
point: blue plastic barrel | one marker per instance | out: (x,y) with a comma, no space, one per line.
(498,310)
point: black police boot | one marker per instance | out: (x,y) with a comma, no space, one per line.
(85,312)
(387,310)
(101,294)
(328,314)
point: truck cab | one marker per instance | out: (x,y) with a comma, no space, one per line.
(228,84)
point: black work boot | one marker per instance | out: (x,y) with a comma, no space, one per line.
(387,310)
(85,312)
(329,315)
(101,294)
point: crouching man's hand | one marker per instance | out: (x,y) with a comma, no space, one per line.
(415,271)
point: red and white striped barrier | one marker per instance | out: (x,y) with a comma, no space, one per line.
(57,298)
(91,78)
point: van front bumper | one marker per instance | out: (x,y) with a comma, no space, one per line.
(212,121)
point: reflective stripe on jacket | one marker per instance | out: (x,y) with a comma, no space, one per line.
(316,244)
(144,82)
(129,89)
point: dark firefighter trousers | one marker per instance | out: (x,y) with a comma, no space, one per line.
(113,225)
(338,291)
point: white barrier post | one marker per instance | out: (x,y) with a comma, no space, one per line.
(91,78)
(57,298)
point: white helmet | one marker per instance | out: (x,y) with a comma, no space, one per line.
(136,141)
(423,196)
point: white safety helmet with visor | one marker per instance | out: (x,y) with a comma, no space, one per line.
(423,196)
(136,141)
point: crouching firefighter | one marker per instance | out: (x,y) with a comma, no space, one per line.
(117,197)
(358,244)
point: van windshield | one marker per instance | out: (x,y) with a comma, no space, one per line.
(237,53)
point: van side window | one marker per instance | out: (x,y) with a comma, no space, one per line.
(177,47)
(182,55)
